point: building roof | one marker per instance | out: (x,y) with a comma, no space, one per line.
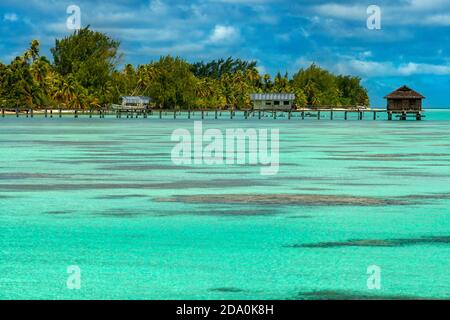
(135,99)
(404,93)
(272,96)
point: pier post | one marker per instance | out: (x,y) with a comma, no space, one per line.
(215,115)
(189,114)
(274,115)
(331,115)
(203,114)
(76,113)
(418,116)
(318,115)
(17,112)
(403,117)
(31,112)
(374,115)
(345,115)
(28,112)
(361,115)
(259,115)
(390,116)
(60,112)
(289,115)
(303,115)
(3,113)
(45,113)
(160,114)
(51,113)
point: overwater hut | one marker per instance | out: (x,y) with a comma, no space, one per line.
(273,101)
(404,99)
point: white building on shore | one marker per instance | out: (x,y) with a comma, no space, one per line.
(273,101)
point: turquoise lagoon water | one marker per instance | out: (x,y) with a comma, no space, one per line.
(104,195)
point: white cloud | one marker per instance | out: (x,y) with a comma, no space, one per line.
(11,17)
(340,11)
(385,68)
(438,20)
(224,34)
(428,4)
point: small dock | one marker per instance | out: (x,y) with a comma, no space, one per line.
(299,114)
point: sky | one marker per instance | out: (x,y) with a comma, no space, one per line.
(411,47)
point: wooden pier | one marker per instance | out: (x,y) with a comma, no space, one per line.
(302,114)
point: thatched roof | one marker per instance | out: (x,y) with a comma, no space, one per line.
(404,93)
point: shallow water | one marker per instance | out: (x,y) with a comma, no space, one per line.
(103,194)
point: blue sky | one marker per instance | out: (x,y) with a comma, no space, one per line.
(411,48)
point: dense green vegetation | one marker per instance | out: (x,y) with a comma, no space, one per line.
(85,74)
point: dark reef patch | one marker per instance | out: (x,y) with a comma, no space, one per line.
(144,167)
(350,295)
(120,196)
(59,212)
(377,243)
(427,196)
(283,199)
(23,176)
(227,290)
(370,168)
(186,184)
(300,217)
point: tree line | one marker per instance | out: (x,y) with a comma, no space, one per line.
(84,74)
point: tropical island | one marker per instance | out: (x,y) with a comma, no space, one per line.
(85,74)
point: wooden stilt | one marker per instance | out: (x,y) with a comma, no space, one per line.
(390,116)
(346,115)
(331,115)
(318,115)
(303,115)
